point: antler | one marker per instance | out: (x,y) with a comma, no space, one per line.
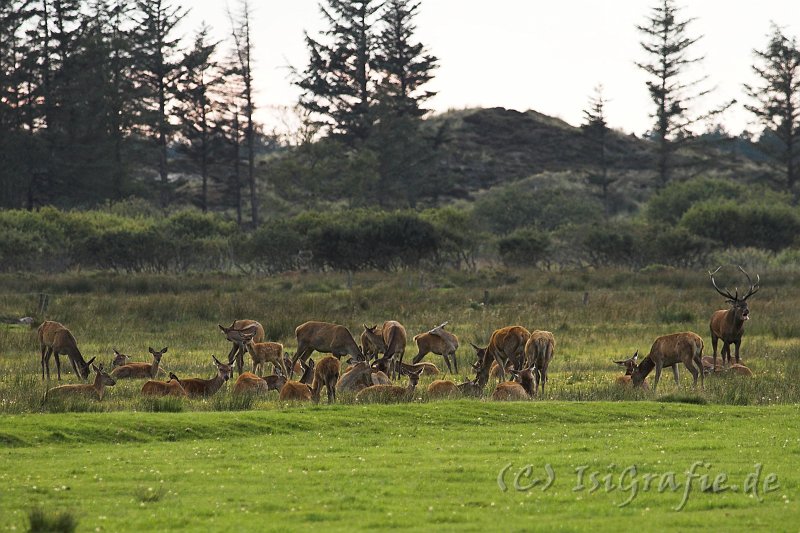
(753,286)
(724,293)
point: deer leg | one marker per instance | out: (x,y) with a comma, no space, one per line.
(58,364)
(74,366)
(44,350)
(675,375)
(726,354)
(502,366)
(690,367)
(455,361)
(232,353)
(447,362)
(714,340)
(737,344)
(544,378)
(418,357)
(658,376)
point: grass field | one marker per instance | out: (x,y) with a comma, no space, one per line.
(228,463)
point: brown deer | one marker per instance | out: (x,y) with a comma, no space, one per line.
(442,388)
(199,387)
(171,387)
(236,333)
(299,390)
(248,382)
(355,378)
(55,339)
(326,374)
(505,345)
(668,351)
(728,325)
(513,391)
(392,338)
(372,344)
(119,359)
(390,393)
(325,337)
(538,354)
(471,388)
(440,342)
(96,390)
(428,369)
(708,368)
(140,370)
(630,367)
(266,352)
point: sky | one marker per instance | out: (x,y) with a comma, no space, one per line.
(545,55)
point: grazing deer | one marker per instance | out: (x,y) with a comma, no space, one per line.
(372,344)
(670,350)
(171,387)
(440,342)
(728,325)
(630,367)
(266,352)
(248,382)
(392,338)
(238,331)
(140,370)
(299,390)
(198,387)
(512,391)
(325,337)
(55,339)
(326,374)
(442,388)
(505,345)
(120,359)
(538,354)
(96,390)
(390,393)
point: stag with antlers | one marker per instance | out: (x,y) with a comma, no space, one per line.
(728,324)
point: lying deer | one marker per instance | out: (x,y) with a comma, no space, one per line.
(630,366)
(512,390)
(171,387)
(199,387)
(119,359)
(670,350)
(299,390)
(728,324)
(248,382)
(390,393)
(442,388)
(140,370)
(96,390)
(55,339)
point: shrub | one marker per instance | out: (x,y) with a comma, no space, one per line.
(669,204)
(524,247)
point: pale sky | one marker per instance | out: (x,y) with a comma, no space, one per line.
(545,55)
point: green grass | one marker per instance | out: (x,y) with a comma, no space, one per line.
(254,463)
(416,466)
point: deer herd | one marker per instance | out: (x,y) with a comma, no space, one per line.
(372,365)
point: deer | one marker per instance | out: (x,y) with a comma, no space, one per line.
(299,390)
(670,350)
(440,342)
(708,368)
(119,359)
(171,387)
(326,374)
(265,352)
(392,338)
(630,366)
(471,387)
(728,325)
(428,369)
(247,382)
(538,354)
(235,333)
(505,345)
(443,388)
(387,393)
(140,370)
(199,387)
(96,390)
(355,378)
(55,339)
(512,391)
(372,348)
(325,337)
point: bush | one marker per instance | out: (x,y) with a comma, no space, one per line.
(669,204)
(524,247)
(273,248)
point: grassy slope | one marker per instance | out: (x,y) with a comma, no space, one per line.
(393,466)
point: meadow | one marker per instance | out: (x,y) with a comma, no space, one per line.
(127,463)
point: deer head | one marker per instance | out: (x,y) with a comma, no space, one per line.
(739,304)
(84,368)
(103,377)
(157,355)
(224,370)
(119,359)
(630,363)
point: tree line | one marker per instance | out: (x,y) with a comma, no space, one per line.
(102,100)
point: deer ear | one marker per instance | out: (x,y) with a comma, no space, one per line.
(115,351)
(90,361)
(151,350)
(222,328)
(164,350)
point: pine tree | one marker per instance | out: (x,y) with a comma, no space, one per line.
(157,69)
(777,100)
(199,84)
(339,82)
(404,65)
(596,129)
(667,42)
